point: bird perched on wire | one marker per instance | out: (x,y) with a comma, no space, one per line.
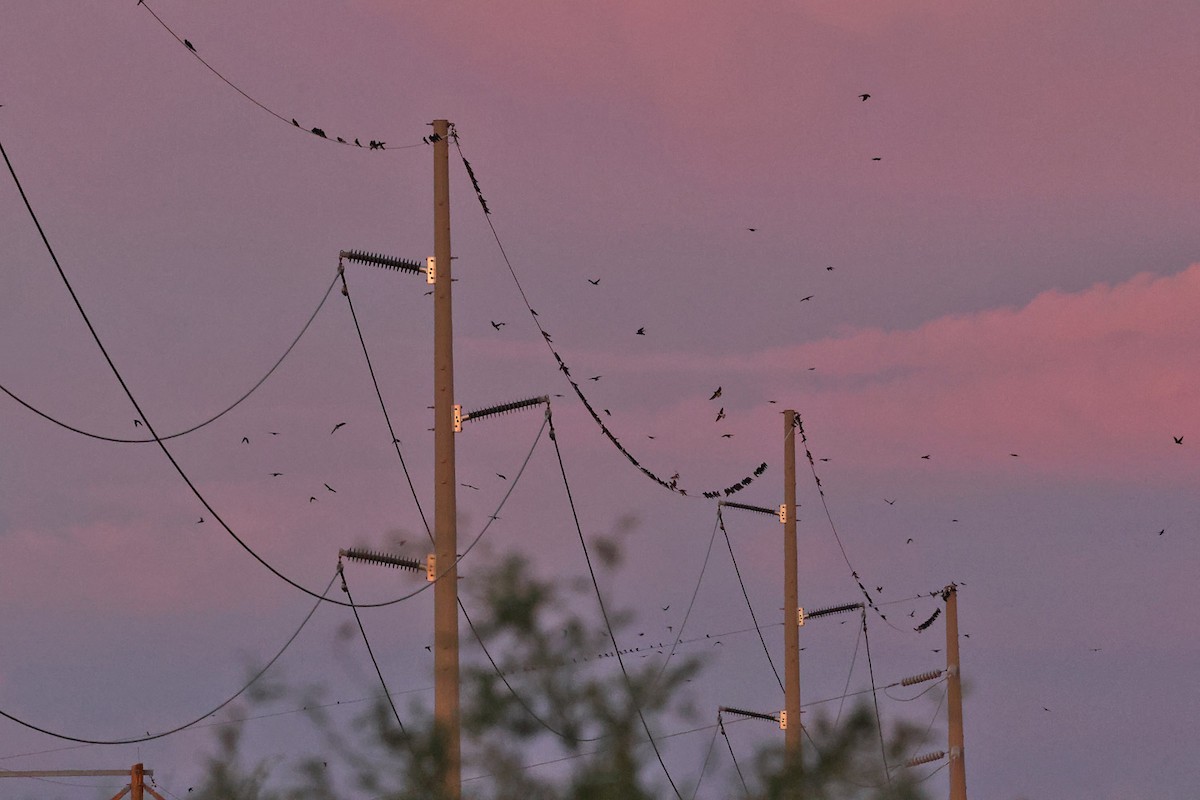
(189,45)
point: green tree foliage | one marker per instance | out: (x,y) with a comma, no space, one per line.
(571,701)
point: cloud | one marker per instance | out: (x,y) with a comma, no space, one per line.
(1095,382)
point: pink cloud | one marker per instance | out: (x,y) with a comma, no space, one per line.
(1091,383)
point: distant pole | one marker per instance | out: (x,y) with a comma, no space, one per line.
(445,518)
(136,782)
(791,602)
(958,769)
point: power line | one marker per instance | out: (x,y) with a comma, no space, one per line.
(370,652)
(669,484)
(875,697)
(199,425)
(692,602)
(753,618)
(149,427)
(603,611)
(318,132)
(177,729)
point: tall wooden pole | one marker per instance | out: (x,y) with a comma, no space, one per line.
(791,602)
(445,503)
(958,767)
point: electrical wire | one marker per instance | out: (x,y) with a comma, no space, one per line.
(875,697)
(849,675)
(374,145)
(704,765)
(745,594)
(604,611)
(692,602)
(671,485)
(729,745)
(199,425)
(370,652)
(425,521)
(186,725)
(158,439)
(799,423)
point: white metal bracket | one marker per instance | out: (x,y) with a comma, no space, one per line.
(431,568)
(430,269)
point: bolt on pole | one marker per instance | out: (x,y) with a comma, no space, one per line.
(445,592)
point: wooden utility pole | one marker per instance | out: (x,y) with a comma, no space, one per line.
(445,503)
(791,602)
(958,769)
(135,789)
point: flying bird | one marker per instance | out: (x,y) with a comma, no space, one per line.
(469,486)
(330,488)
(276,474)
(877,158)
(137,423)
(829,269)
(595,377)
(864,97)
(810,297)
(889,502)
(501,477)
(245,440)
(716,394)
(312,499)
(594,282)
(726,435)
(909,541)
(641,331)
(1178,439)
(335,427)
(925,457)
(720,414)
(189,45)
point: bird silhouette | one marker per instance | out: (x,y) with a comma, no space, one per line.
(320,133)
(1015,455)
(909,540)
(501,477)
(276,474)
(829,269)
(715,394)
(200,520)
(926,457)
(752,230)
(312,499)
(889,502)
(297,124)
(864,97)
(245,440)
(189,45)
(335,427)
(357,143)
(595,377)
(726,435)
(877,158)
(330,488)
(137,423)
(641,331)
(469,486)
(810,297)
(594,282)
(1178,439)
(720,414)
